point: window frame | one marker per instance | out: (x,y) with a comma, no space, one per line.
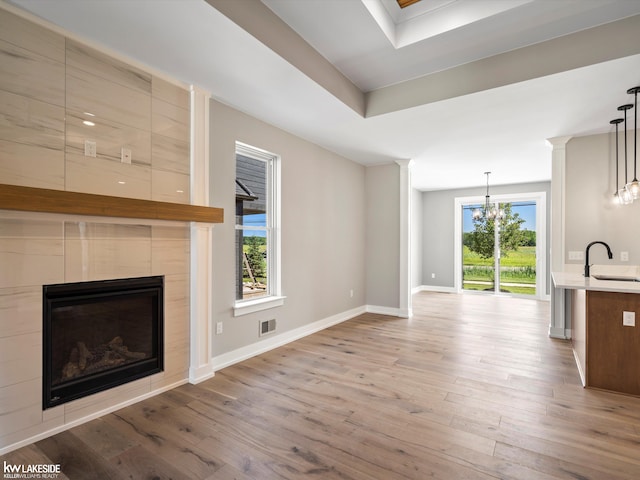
(273,297)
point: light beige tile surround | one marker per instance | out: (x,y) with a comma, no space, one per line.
(170,251)
(170,187)
(104,177)
(31,253)
(168,92)
(87,92)
(48,84)
(170,120)
(110,138)
(92,61)
(21,358)
(170,155)
(20,310)
(31,166)
(25,72)
(35,38)
(126,114)
(87,251)
(29,121)
(176,361)
(170,143)
(15,414)
(95,251)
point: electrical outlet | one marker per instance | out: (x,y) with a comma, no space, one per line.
(351,293)
(433,275)
(576,255)
(218,328)
(629,319)
(624,256)
(125,155)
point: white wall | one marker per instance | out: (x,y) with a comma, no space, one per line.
(323,233)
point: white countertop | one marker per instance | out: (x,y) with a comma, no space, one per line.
(576,281)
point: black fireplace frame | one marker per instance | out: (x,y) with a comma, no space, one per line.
(60,294)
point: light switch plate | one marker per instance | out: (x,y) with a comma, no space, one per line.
(629,319)
(90,148)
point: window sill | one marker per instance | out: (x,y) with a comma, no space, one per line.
(251,306)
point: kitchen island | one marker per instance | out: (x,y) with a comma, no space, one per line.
(606,348)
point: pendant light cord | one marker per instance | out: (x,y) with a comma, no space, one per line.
(486,197)
(625,146)
(624,108)
(635,136)
(616,122)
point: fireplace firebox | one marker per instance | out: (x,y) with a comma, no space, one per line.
(100,334)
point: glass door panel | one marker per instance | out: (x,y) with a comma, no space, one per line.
(478,258)
(517,237)
(509,249)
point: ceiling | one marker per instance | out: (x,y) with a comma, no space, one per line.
(459,87)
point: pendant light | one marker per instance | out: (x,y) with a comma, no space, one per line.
(625,195)
(634,186)
(616,196)
(489,212)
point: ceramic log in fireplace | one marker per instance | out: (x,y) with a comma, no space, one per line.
(98,335)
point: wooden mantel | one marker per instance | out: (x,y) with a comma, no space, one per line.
(29,199)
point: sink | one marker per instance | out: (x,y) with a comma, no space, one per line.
(620,273)
(619,278)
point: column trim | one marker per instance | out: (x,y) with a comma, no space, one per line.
(404,270)
(201,312)
(558,324)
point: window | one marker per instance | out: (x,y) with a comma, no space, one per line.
(257,279)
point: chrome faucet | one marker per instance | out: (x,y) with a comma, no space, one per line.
(587,267)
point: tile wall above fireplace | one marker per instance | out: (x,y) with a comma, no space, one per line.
(51,89)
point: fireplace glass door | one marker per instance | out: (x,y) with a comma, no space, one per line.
(98,335)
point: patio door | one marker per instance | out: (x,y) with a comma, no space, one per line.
(501,255)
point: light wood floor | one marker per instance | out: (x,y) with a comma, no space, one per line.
(471,387)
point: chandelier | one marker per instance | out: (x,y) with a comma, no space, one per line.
(488,211)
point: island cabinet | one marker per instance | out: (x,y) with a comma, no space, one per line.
(612,348)
(606,350)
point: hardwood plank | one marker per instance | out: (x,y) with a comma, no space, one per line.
(137,462)
(30,199)
(76,458)
(104,439)
(168,435)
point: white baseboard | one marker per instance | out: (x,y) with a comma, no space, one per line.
(582,377)
(439,289)
(562,333)
(394,312)
(197,375)
(434,288)
(275,341)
